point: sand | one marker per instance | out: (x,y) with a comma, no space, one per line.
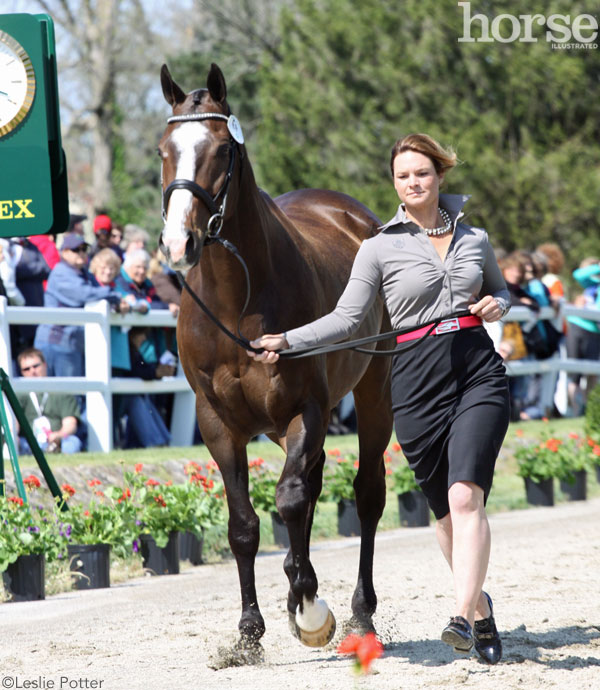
(165,632)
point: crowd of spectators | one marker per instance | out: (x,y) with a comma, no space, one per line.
(35,272)
(118,267)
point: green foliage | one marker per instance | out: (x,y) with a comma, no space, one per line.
(105,519)
(592,414)
(554,457)
(401,479)
(262,485)
(162,508)
(338,477)
(27,530)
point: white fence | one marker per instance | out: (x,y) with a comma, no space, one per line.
(98,385)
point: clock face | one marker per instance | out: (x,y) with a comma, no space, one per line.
(17,83)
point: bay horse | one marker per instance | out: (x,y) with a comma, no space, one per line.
(299,250)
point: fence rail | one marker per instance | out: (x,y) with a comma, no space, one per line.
(99,386)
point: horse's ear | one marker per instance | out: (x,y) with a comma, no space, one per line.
(171,91)
(216,84)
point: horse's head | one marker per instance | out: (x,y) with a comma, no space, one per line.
(198,150)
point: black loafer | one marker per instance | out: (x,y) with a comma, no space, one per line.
(458,634)
(487,641)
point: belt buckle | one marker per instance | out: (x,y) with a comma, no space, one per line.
(447,326)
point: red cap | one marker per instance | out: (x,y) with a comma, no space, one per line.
(102,222)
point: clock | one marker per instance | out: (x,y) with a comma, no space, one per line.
(17,83)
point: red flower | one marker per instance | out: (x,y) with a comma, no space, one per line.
(68,489)
(388,470)
(31,482)
(212,465)
(160,500)
(16,499)
(396,447)
(99,493)
(572,434)
(591,442)
(125,495)
(366,649)
(334,452)
(257,462)
(138,467)
(152,482)
(192,467)
(545,419)
(86,513)
(94,482)
(519,432)
(596,450)
(356,464)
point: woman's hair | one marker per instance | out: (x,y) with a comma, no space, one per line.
(133,233)
(556,259)
(136,256)
(442,159)
(105,256)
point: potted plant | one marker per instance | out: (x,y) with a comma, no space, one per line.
(539,463)
(339,487)
(578,461)
(412,504)
(29,536)
(262,485)
(159,520)
(94,528)
(592,425)
(594,454)
(202,504)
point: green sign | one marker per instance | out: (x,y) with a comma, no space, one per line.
(33,168)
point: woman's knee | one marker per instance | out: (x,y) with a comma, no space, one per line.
(465,497)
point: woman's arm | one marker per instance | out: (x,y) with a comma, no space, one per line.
(353,305)
(495,302)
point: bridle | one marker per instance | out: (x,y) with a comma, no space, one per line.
(213,229)
(236,138)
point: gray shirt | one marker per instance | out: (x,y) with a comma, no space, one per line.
(403,266)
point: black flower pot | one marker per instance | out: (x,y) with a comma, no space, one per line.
(92,563)
(598,473)
(413,509)
(160,561)
(348,522)
(190,548)
(540,493)
(280,531)
(24,580)
(577,491)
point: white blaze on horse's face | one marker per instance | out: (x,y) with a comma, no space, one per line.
(185,140)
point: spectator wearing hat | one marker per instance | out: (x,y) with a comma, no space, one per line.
(102,229)
(70,285)
(76,223)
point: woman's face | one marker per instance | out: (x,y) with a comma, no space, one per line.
(106,273)
(513,274)
(137,271)
(415,179)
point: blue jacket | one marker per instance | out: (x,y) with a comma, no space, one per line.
(70,287)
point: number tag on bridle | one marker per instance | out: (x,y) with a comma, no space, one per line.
(235,129)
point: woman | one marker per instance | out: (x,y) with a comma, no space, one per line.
(449,393)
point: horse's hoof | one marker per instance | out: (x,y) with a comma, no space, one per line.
(316,624)
(294,629)
(358,625)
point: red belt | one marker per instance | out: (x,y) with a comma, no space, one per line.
(447,326)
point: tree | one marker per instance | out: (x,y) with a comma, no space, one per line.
(523,117)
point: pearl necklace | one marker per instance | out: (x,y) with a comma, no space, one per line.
(443,229)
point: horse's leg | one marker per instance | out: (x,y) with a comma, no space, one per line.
(295,497)
(229,451)
(315,483)
(374,416)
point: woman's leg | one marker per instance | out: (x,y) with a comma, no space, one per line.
(464,538)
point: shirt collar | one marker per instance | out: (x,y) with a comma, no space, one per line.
(453,203)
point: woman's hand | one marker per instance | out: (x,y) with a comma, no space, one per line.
(487,308)
(269,343)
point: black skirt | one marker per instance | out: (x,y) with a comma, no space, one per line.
(451,411)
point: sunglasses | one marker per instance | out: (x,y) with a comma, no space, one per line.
(31,366)
(80,250)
